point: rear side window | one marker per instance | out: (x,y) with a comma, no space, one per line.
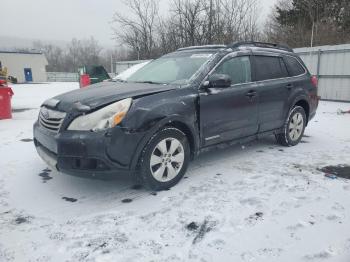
(293,66)
(269,67)
(238,68)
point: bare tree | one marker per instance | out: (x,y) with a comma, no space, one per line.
(189,22)
(89,52)
(215,21)
(73,55)
(54,55)
(137,30)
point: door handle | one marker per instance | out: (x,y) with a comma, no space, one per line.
(289,86)
(251,94)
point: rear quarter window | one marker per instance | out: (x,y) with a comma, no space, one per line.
(293,66)
(269,67)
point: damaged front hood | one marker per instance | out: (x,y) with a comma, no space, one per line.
(104,93)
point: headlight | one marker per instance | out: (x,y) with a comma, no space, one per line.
(107,117)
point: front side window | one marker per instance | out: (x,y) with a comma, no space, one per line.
(238,68)
(269,67)
(177,68)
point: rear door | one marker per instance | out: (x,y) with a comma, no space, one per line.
(271,76)
(232,112)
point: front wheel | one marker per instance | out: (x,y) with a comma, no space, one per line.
(294,127)
(164,159)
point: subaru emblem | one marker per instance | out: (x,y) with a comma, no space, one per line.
(45,113)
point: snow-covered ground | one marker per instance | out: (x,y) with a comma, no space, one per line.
(258,202)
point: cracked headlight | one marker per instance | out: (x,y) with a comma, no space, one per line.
(104,118)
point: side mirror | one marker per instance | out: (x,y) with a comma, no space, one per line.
(218,81)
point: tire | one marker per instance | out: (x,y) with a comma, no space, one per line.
(164,160)
(294,127)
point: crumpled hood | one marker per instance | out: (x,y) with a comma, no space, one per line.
(103,93)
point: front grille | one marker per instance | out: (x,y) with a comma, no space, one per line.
(51,119)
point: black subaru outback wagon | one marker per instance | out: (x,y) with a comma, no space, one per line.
(175,107)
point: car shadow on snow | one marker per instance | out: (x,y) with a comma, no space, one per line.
(259,147)
(124,190)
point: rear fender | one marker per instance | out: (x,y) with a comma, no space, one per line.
(295,100)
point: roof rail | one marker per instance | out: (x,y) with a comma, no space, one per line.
(261,44)
(202,47)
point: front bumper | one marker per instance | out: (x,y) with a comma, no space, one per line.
(88,153)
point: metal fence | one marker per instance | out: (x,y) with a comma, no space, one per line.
(331,64)
(62,77)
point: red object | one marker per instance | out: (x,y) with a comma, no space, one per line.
(6,94)
(314,81)
(2,82)
(84,80)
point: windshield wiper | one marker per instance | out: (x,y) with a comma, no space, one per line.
(119,80)
(149,82)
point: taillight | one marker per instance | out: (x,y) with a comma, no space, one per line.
(314,81)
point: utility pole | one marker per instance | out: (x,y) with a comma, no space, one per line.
(138,52)
(112,63)
(210,21)
(312,34)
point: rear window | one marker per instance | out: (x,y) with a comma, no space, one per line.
(293,66)
(269,67)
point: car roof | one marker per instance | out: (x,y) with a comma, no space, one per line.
(241,46)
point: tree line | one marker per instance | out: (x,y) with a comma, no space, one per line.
(78,53)
(301,23)
(187,23)
(143,33)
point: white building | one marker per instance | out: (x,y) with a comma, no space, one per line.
(25,66)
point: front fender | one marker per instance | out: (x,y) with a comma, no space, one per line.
(149,114)
(172,120)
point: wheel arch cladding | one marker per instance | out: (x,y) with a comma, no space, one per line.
(305,105)
(172,121)
(188,132)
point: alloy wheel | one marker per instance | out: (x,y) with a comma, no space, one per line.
(167,159)
(296,126)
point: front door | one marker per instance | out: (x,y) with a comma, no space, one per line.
(28,74)
(232,112)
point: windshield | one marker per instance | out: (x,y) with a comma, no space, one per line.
(128,72)
(171,69)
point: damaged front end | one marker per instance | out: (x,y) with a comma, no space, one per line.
(86,135)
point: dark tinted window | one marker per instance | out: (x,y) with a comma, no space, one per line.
(269,67)
(293,66)
(238,68)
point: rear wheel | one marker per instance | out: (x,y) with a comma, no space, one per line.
(164,159)
(294,127)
